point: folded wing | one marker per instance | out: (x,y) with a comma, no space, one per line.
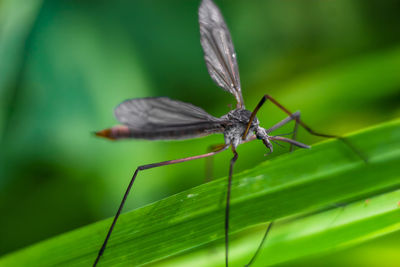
(163,118)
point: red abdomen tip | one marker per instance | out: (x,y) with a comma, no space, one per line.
(106,133)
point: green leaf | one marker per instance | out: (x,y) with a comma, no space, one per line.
(324,232)
(295,183)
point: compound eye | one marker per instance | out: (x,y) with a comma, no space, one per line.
(258,137)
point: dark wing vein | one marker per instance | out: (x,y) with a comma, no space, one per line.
(164,118)
(219,52)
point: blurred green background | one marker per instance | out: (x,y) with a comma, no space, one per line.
(64,66)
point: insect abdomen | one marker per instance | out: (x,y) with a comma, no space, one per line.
(177,133)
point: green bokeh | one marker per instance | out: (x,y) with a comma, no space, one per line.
(64,66)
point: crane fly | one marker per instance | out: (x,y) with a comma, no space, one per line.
(162,118)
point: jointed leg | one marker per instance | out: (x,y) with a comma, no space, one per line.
(294,135)
(228,197)
(140,168)
(305,126)
(260,245)
(294,117)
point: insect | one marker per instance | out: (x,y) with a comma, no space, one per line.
(162,118)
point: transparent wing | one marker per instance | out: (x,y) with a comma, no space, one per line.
(164,118)
(219,52)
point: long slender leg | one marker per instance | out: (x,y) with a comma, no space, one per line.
(305,126)
(280,124)
(284,121)
(252,138)
(311,131)
(228,199)
(294,135)
(145,167)
(260,245)
(287,140)
(294,117)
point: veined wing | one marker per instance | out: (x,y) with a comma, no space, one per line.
(219,52)
(163,118)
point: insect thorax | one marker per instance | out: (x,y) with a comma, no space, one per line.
(238,118)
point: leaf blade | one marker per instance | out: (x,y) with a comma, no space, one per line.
(295,183)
